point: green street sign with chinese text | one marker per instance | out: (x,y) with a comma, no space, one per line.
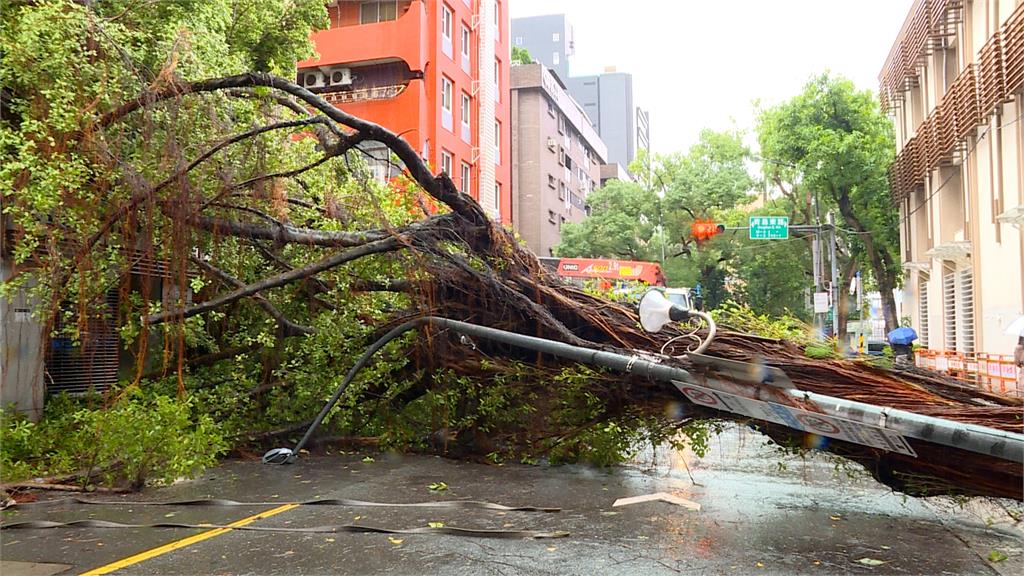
(769,227)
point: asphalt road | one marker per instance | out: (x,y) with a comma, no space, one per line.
(761,513)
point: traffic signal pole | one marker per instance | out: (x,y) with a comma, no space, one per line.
(818,230)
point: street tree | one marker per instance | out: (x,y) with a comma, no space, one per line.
(136,146)
(835,141)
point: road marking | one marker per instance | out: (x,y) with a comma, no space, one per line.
(177,544)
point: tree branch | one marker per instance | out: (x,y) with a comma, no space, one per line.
(288,327)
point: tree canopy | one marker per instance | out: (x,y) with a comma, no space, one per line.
(833,144)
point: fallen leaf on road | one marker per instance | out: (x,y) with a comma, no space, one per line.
(996,556)
(395,541)
(835,517)
(870,561)
(438,486)
(329,539)
(169,515)
(760,564)
(435,524)
(368,459)
(358,518)
(552,548)
(886,547)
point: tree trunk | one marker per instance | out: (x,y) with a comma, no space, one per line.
(881,261)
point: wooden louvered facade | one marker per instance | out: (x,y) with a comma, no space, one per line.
(996,77)
(953,84)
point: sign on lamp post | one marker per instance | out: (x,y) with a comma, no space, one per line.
(769,227)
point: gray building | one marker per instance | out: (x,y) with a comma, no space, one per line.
(608,101)
(556,157)
(606,98)
(548,39)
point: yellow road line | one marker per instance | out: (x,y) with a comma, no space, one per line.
(177,544)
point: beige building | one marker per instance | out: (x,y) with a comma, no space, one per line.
(556,157)
(954,85)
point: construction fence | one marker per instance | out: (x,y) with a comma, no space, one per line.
(995,373)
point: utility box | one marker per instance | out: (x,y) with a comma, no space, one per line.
(21,351)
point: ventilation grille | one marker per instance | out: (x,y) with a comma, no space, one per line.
(922,310)
(965,310)
(91,363)
(949,308)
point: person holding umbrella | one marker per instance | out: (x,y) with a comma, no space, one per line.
(901,339)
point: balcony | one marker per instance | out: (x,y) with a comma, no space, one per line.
(349,42)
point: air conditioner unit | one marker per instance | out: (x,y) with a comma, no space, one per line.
(340,77)
(312,79)
(551,144)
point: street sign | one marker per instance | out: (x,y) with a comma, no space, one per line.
(811,422)
(821,303)
(769,227)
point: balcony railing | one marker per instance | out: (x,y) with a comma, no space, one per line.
(402,38)
(977,92)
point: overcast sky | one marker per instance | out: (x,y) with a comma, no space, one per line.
(700,63)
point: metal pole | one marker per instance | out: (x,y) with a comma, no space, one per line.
(816,263)
(835,273)
(971,437)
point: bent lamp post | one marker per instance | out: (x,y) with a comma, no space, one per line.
(980,439)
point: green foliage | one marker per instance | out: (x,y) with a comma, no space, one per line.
(835,142)
(784,327)
(154,439)
(520,56)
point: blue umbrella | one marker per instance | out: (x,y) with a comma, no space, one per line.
(903,335)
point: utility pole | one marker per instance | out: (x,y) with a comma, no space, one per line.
(835,271)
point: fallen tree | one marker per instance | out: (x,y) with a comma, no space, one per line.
(453,262)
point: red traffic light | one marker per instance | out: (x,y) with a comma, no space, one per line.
(703,229)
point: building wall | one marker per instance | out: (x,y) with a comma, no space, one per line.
(959,167)
(415,38)
(608,101)
(558,157)
(549,39)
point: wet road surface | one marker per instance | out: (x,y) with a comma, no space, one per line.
(761,513)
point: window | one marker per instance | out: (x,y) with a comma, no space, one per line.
(378,11)
(446,162)
(497,19)
(555,37)
(551,107)
(497,200)
(446,93)
(497,143)
(464,181)
(561,190)
(446,30)
(922,309)
(497,80)
(465,41)
(519,40)
(554,58)
(446,21)
(467,111)
(551,217)
(551,182)
(446,103)
(561,156)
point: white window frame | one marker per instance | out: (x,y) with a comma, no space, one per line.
(447,97)
(466,178)
(497,142)
(497,80)
(447,29)
(446,162)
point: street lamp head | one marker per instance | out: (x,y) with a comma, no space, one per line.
(656,311)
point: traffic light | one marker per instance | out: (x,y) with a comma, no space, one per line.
(701,230)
